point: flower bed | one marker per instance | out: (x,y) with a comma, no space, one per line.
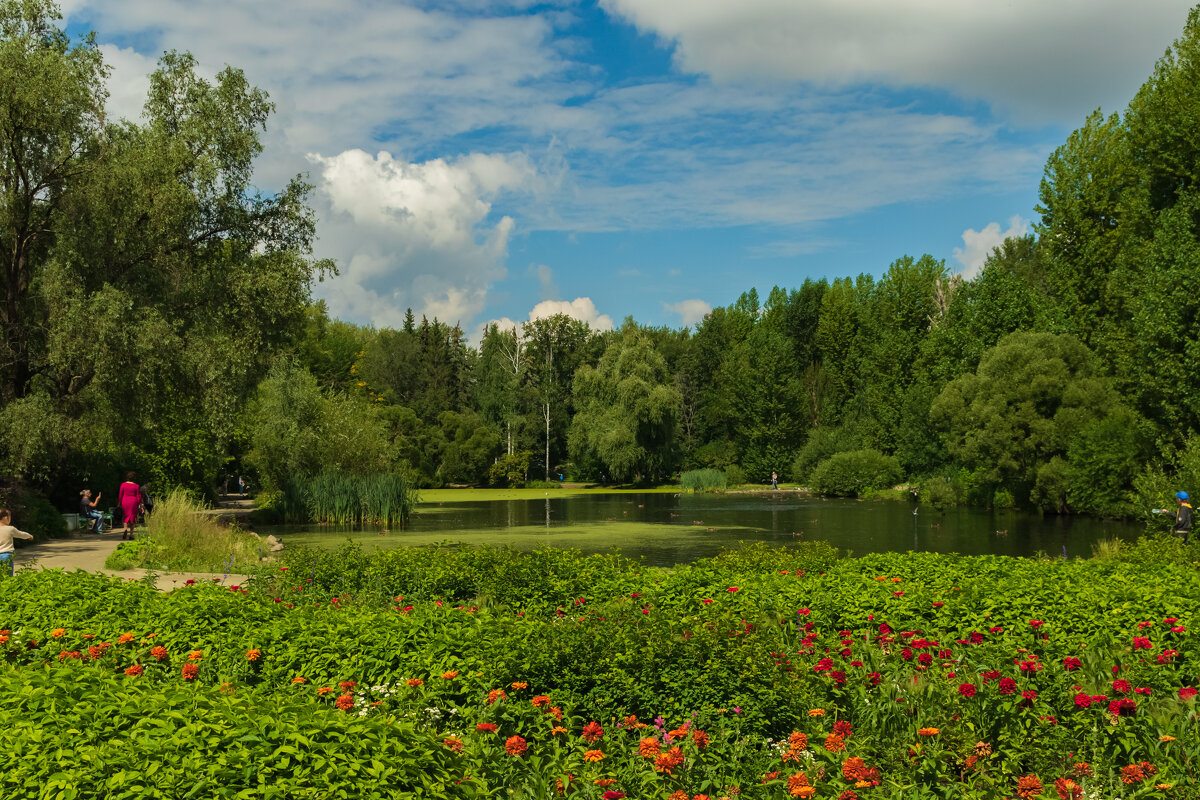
(902,675)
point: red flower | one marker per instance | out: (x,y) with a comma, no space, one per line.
(1083,700)
(875,679)
(345,702)
(515,746)
(1142,643)
(966,689)
(611,795)
(733,589)
(592,732)
(1071,663)
(1122,686)
(1007,686)
(1125,707)
(1187,693)
(134,670)
(843,728)
(486,727)
(189,672)
(1036,623)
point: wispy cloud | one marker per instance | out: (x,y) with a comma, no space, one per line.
(978,245)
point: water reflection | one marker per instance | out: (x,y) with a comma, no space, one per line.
(667,529)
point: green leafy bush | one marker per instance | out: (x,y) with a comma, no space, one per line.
(851,474)
(734,475)
(179,536)
(33,513)
(703,480)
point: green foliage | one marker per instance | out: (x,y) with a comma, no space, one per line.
(511,470)
(703,480)
(33,513)
(822,444)
(852,474)
(734,475)
(627,411)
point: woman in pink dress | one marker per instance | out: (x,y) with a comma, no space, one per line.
(129,497)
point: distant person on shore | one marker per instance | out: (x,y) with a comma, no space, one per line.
(147,502)
(129,497)
(7,534)
(241,486)
(774,479)
(88,510)
(1183,516)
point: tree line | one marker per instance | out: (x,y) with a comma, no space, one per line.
(157,315)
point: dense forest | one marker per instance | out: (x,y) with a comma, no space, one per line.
(157,315)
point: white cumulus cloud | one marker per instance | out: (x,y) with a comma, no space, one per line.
(581,308)
(414,235)
(978,245)
(690,311)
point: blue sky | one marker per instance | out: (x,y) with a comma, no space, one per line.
(491,160)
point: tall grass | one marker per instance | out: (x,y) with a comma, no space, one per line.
(380,499)
(178,536)
(703,480)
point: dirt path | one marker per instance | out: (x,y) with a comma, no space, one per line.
(87,551)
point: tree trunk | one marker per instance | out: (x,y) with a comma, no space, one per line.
(546,413)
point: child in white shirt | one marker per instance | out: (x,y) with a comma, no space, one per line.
(7,534)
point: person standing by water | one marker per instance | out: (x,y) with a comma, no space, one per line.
(129,496)
(7,534)
(1183,516)
(88,510)
(774,479)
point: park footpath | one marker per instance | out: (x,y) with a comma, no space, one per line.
(88,551)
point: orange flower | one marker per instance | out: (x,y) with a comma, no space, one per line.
(816,712)
(520,685)
(798,741)
(853,768)
(486,727)
(649,747)
(414,682)
(496,694)
(1133,773)
(298,679)
(57,632)
(1068,789)
(770,776)
(592,732)
(593,755)
(324,690)
(1082,770)
(540,700)
(928,732)
(678,795)
(454,743)
(835,743)
(632,722)
(253,655)
(345,702)
(669,761)
(451,675)
(134,670)
(159,652)
(195,655)
(797,785)
(515,746)
(1166,738)
(1029,787)
(604,783)
(125,638)
(346,686)
(226,688)
(189,672)
(700,738)
(555,731)
(555,712)
(95,652)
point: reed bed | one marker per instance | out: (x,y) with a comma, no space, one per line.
(380,499)
(703,480)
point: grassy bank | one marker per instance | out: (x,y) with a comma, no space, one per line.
(177,537)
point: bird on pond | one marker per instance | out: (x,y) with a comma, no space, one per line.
(1002,533)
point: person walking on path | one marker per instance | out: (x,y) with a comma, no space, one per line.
(88,510)
(129,496)
(774,479)
(7,534)
(1183,516)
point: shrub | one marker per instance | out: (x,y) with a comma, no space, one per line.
(823,443)
(510,470)
(734,475)
(33,513)
(703,480)
(850,474)
(939,493)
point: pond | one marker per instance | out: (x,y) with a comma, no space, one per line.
(667,529)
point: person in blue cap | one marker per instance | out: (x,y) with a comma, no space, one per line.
(1183,517)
